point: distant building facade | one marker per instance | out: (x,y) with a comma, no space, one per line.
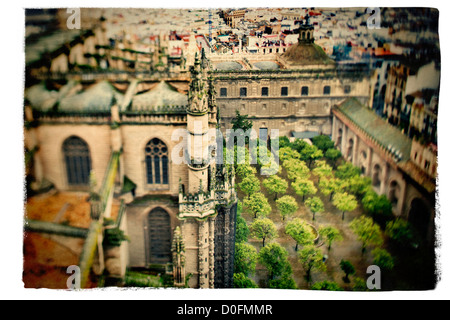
(411,99)
(231,17)
(292,91)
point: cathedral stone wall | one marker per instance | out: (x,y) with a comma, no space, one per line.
(138,228)
(99,138)
(51,138)
(134,139)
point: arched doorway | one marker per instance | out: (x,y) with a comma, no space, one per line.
(159,237)
(419,216)
(350,150)
(376,180)
(363,159)
(394,193)
(339,138)
(77,159)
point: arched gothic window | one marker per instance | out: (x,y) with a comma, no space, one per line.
(78,161)
(157,162)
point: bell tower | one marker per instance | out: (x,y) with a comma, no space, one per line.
(207,207)
(306,32)
(198,127)
(197,206)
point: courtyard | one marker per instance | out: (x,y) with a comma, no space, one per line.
(413,264)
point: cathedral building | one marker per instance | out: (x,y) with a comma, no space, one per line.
(180,218)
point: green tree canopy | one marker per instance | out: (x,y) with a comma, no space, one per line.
(287,205)
(330,234)
(382,259)
(271,168)
(240,280)
(331,186)
(258,204)
(326,285)
(311,259)
(377,206)
(301,232)
(239,207)
(348,269)
(261,154)
(347,171)
(239,155)
(359,186)
(323,142)
(303,187)
(298,145)
(359,285)
(283,141)
(296,169)
(345,202)
(245,258)
(400,231)
(264,229)
(315,204)
(275,258)
(322,170)
(368,232)
(250,185)
(275,185)
(287,153)
(285,282)
(245,170)
(333,155)
(241,122)
(242,230)
(310,153)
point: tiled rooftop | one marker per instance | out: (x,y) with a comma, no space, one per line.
(375,127)
(160,96)
(99,97)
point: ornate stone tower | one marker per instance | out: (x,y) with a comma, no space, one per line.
(207,206)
